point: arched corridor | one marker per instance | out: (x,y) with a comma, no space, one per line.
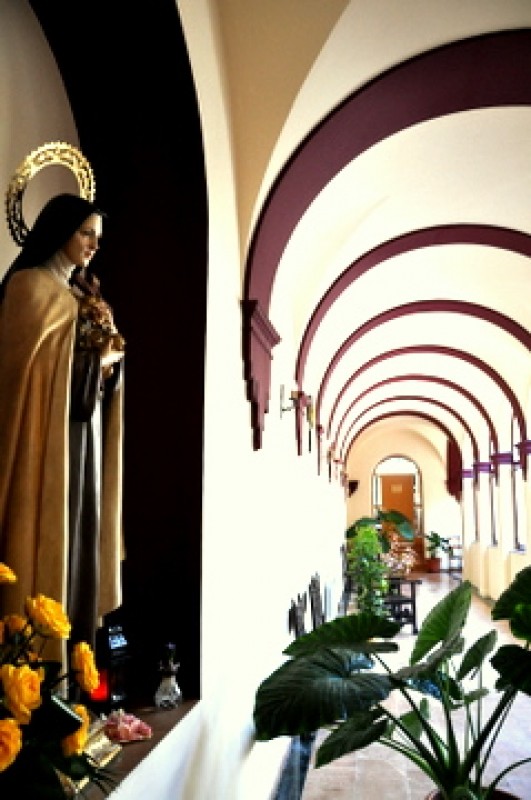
(319,251)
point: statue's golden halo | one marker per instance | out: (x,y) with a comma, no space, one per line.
(59,153)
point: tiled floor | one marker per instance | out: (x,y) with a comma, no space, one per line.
(379,773)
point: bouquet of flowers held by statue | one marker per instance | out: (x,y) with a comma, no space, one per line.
(96,328)
(42,735)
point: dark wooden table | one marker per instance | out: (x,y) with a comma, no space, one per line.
(402,600)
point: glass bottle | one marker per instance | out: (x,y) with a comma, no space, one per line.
(168,694)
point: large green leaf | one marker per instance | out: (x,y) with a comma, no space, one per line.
(514,665)
(353,632)
(359,730)
(474,696)
(312,692)
(410,720)
(521,622)
(400,522)
(444,622)
(430,669)
(476,654)
(518,593)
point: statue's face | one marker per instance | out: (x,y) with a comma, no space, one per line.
(82,245)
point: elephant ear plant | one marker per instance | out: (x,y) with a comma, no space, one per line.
(322,686)
(383,521)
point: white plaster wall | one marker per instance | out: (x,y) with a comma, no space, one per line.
(269,521)
(35,110)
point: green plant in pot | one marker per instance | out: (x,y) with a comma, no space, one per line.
(436,544)
(322,687)
(367,570)
(381,522)
(388,525)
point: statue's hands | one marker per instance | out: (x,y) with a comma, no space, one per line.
(109,357)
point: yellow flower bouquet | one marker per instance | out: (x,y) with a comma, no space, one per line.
(42,735)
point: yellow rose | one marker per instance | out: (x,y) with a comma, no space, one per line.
(16,624)
(10,742)
(48,617)
(6,574)
(83,664)
(75,743)
(22,688)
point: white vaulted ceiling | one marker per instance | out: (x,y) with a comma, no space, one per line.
(381,159)
(383,169)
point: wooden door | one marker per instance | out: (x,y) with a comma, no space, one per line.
(398,494)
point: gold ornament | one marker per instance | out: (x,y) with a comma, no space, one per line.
(58,153)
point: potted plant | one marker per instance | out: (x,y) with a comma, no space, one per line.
(382,522)
(435,545)
(393,529)
(323,686)
(368,572)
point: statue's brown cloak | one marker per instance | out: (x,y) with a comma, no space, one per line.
(37,330)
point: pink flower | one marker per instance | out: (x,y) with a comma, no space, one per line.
(122,727)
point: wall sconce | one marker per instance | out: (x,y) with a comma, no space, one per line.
(292,399)
(336,463)
(310,412)
(302,403)
(298,400)
(330,458)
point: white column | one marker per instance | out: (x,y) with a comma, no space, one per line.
(468,516)
(504,504)
(482,471)
(504,513)
(523,493)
